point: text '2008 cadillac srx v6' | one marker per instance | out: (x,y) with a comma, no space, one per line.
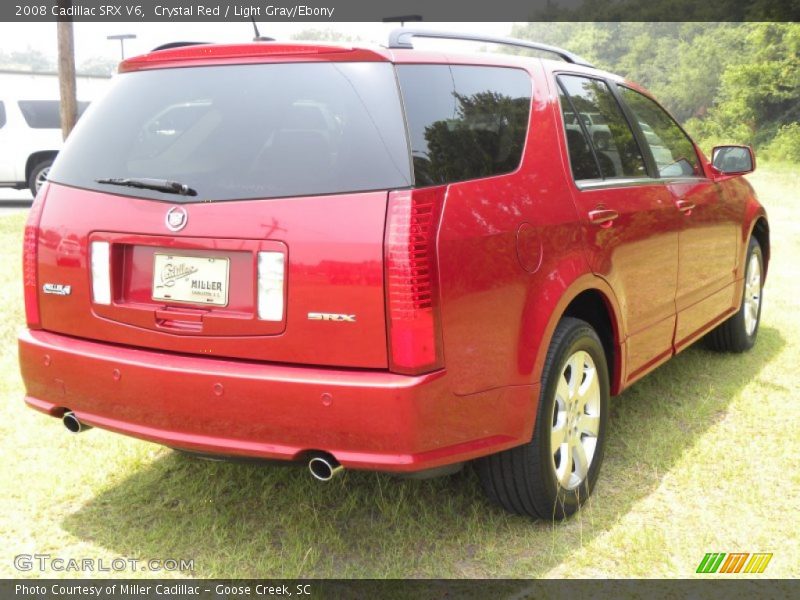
(381,259)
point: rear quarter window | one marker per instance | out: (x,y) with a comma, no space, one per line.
(2,115)
(464,122)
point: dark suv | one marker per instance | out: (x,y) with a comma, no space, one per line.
(381,259)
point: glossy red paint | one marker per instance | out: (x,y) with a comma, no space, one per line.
(335,265)
(665,276)
(366,419)
(239,54)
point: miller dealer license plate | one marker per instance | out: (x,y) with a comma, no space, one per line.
(195,279)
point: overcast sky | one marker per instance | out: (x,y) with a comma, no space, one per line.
(90,38)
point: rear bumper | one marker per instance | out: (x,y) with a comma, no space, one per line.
(366,419)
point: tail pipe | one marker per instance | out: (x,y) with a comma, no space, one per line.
(324,467)
(73,424)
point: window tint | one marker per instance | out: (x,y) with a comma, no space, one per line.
(601,119)
(44,114)
(245,131)
(2,114)
(673,152)
(464,122)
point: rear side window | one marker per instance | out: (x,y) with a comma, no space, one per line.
(597,131)
(2,114)
(581,154)
(245,131)
(464,122)
(45,114)
(672,150)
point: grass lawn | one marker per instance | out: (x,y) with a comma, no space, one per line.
(702,457)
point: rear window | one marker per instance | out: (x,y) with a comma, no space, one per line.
(464,122)
(45,114)
(245,131)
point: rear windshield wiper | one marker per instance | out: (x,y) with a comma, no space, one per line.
(160,185)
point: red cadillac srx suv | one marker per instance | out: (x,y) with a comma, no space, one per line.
(381,259)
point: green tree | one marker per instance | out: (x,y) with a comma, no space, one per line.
(725,82)
(760,94)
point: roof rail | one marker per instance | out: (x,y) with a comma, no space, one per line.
(171,45)
(401,38)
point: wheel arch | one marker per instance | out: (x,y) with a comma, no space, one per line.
(594,307)
(591,299)
(37,157)
(760,231)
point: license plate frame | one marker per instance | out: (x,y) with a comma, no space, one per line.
(190,279)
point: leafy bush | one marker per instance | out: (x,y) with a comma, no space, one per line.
(785,146)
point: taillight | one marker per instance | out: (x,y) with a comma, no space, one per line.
(412,281)
(30,260)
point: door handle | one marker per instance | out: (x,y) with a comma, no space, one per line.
(685,206)
(603,216)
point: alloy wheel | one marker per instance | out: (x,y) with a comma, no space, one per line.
(41,177)
(576,420)
(752,294)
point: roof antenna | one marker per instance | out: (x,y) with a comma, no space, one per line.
(403,19)
(259,37)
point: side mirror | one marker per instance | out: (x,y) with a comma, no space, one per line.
(733,160)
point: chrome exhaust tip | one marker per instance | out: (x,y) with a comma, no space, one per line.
(324,468)
(73,424)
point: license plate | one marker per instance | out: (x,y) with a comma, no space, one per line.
(195,279)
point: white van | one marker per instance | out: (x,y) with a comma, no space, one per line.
(30,124)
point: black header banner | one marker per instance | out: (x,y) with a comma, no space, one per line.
(398,10)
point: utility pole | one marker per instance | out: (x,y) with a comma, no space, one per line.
(66,72)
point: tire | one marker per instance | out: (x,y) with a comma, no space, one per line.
(531,479)
(739,332)
(39,175)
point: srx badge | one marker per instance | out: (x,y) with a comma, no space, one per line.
(316,316)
